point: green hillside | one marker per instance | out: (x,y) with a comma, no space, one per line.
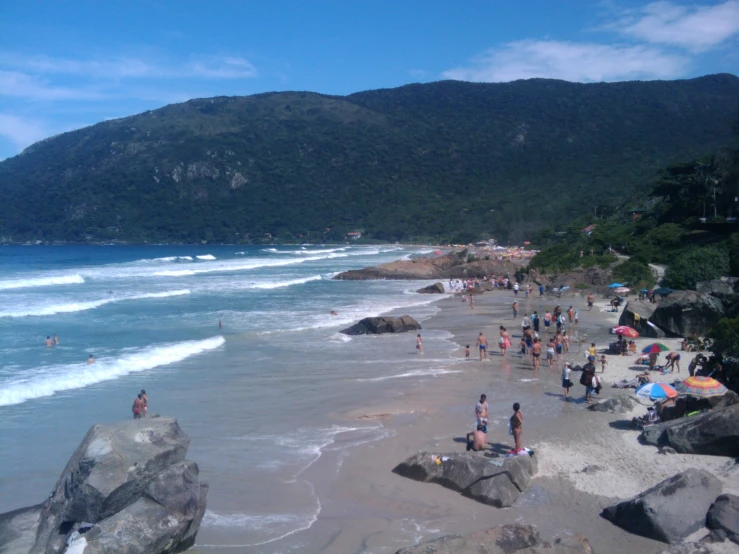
(446,161)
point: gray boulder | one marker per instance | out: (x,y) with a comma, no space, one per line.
(669,511)
(641,323)
(506,539)
(619,404)
(715,285)
(380,325)
(436,288)
(685,312)
(724,515)
(130,481)
(18,530)
(494,481)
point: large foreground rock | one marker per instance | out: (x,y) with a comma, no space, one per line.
(641,323)
(724,515)
(131,481)
(436,288)
(18,530)
(380,325)
(494,481)
(669,511)
(685,312)
(506,539)
(715,433)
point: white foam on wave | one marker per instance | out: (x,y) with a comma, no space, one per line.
(282,284)
(48,380)
(239,266)
(206,257)
(430,372)
(42,282)
(83,306)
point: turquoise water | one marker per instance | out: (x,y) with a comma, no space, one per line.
(257,396)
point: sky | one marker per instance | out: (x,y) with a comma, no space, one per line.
(66,65)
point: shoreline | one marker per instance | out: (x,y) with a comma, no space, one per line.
(587,460)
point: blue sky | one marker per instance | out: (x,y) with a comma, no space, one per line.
(65,65)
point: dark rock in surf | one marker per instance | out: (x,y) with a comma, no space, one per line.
(619,404)
(381,325)
(127,486)
(436,288)
(505,539)
(669,511)
(494,481)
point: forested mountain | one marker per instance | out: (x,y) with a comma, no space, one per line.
(446,161)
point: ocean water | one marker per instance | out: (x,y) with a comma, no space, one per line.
(258,397)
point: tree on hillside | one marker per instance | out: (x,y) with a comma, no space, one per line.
(694,265)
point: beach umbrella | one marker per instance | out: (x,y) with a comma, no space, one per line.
(656,391)
(626,331)
(655,348)
(644,291)
(663,291)
(701,386)
(615,285)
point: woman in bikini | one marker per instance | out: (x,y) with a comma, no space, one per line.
(504,341)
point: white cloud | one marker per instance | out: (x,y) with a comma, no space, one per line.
(691,27)
(206,67)
(21,85)
(21,132)
(571,61)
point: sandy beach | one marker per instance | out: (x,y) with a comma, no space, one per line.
(587,460)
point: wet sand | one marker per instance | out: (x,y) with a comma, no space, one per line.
(367,508)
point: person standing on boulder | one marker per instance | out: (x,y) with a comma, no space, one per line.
(516,427)
(144,402)
(138,407)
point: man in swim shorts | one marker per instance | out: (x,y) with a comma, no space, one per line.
(482,345)
(477,440)
(536,352)
(673,360)
(481,412)
(591,299)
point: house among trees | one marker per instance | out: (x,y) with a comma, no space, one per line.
(636,214)
(589,229)
(354,235)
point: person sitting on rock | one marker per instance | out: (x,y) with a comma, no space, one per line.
(477,440)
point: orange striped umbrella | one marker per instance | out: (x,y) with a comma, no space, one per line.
(701,386)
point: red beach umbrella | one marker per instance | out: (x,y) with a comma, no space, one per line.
(655,348)
(626,331)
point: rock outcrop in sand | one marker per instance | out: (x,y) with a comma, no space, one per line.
(685,312)
(715,433)
(127,488)
(436,288)
(449,266)
(669,511)
(381,325)
(724,516)
(494,481)
(505,539)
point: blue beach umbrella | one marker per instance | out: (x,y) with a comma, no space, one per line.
(615,285)
(656,391)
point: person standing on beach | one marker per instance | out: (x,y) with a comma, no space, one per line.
(515,289)
(516,427)
(559,345)
(514,306)
(504,341)
(525,322)
(419,343)
(481,411)
(482,346)
(137,408)
(550,352)
(535,321)
(541,290)
(588,376)
(591,300)
(567,380)
(472,302)
(144,403)
(536,353)
(547,321)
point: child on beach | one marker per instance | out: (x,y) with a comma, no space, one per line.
(467,353)
(603,363)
